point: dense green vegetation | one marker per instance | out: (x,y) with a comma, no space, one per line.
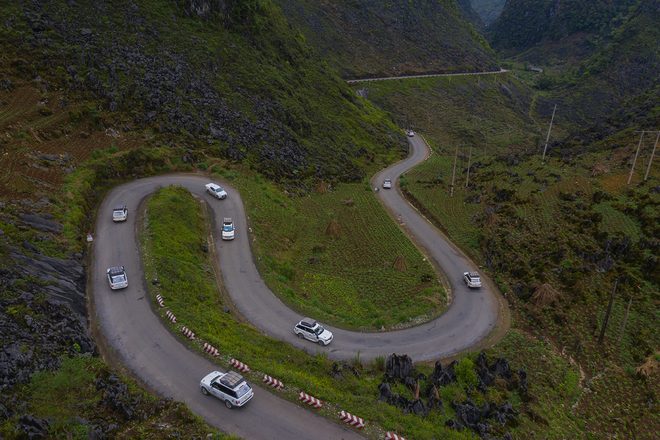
(523,24)
(374,39)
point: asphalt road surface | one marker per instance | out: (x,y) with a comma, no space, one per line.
(143,344)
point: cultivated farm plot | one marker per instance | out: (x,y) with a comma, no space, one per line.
(348,280)
(32,124)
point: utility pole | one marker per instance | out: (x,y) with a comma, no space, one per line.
(453,176)
(625,318)
(467,176)
(607,315)
(635,159)
(548,138)
(651,160)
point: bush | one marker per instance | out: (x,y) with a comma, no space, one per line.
(465,373)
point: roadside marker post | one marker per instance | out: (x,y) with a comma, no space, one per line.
(211,350)
(312,401)
(270,381)
(187,333)
(239,365)
(352,420)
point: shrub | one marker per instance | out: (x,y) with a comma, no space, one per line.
(465,373)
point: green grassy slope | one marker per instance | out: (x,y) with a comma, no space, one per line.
(374,39)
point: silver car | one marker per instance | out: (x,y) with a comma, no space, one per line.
(229,387)
(308,328)
(117,277)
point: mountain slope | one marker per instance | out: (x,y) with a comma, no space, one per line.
(231,79)
(625,68)
(535,25)
(364,38)
(488,10)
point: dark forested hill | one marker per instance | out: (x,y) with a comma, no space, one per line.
(363,38)
(624,69)
(535,25)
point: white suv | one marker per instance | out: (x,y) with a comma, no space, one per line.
(117,277)
(472,279)
(229,387)
(308,328)
(216,191)
(227,229)
(119,213)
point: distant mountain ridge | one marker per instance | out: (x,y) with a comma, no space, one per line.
(366,38)
(524,24)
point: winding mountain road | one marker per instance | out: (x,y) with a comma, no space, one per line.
(142,343)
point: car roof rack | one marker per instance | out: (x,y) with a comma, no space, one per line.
(474,274)
(226,220)
(308,322)
(116,271)
(232,379)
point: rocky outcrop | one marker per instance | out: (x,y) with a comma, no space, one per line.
(468,415)
(63,280)
(35,334)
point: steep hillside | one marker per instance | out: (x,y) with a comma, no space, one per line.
(624,69)
(232,81)
(469,14)
(372,39)
(542,29)
(488,10)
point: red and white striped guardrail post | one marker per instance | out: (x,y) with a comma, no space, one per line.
(313,401)
(187,333)
(273,382)
(240,365)
(352,420)
(210,349)
(393,436)
(170,316)
(160,300)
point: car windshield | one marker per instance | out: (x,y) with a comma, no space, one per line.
(118,213)
(242,390)
(218,189)
(318,330)
(228,228)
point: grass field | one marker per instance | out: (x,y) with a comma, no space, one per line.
(348,279)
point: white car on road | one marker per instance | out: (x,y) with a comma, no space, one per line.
(216,191)
(227,229)
(117,277)
(472,279)
(229,387)
(119,213)
(387,183)
(308,328)
(411,133)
